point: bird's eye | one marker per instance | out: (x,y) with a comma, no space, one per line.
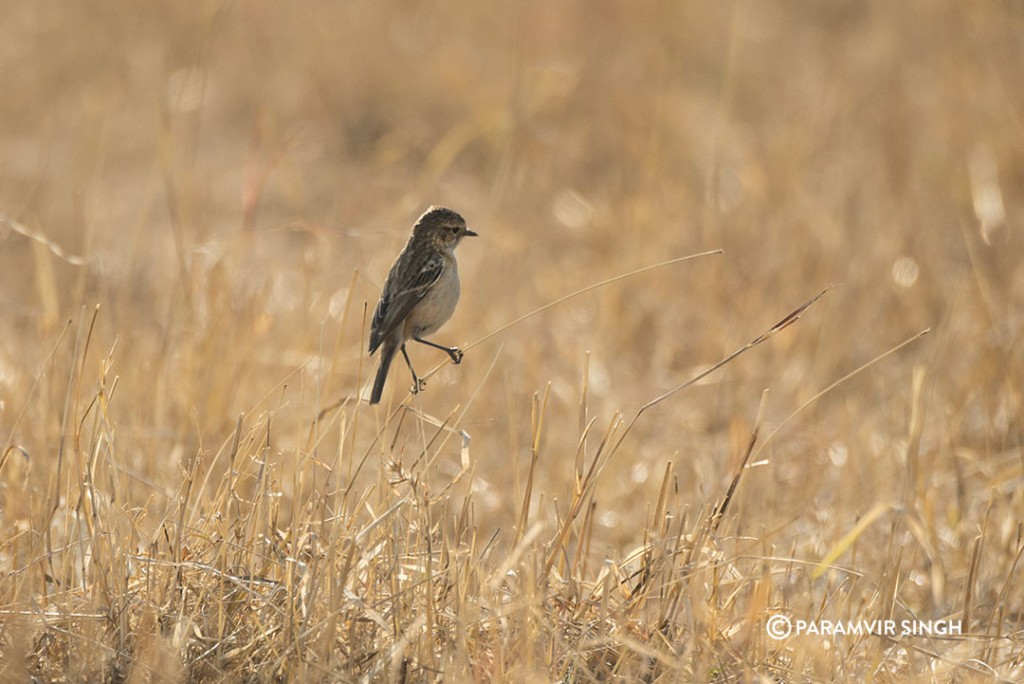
(455,230)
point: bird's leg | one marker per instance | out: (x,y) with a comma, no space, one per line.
(454,353)
(417,383)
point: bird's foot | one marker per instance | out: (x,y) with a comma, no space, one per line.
(455,354)
(418,385)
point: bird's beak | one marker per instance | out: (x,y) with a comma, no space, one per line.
(466,232)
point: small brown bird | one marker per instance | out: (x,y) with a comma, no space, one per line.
(420,293)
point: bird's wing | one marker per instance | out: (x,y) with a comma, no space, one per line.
(403,289)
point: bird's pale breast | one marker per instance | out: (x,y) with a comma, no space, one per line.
(437,305)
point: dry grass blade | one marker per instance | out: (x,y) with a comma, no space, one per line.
(850,538)
(573,295)
(41,239)
(785,322)
(35,384)
(840,381)
(588,288)
(719,513)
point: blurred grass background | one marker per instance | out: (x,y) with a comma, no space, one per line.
(229,183)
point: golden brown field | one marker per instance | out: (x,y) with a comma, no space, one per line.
(199,203)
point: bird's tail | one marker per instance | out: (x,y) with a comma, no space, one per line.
(386,355)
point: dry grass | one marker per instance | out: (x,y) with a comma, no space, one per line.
(201,199)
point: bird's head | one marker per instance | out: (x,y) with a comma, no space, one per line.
(441,226)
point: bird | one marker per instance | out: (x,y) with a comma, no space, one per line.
(420,293)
